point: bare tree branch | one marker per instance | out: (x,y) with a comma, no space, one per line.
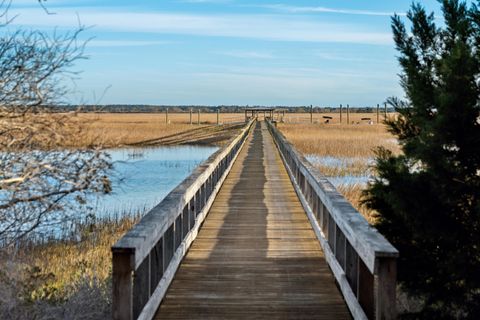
(41,181)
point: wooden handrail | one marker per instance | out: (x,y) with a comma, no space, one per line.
(146,258)
(362,260)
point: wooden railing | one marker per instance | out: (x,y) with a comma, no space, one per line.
(146,258)
(362,260)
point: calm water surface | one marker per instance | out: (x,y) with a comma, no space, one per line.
(143,177)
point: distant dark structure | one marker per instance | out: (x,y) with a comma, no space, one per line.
(253,112)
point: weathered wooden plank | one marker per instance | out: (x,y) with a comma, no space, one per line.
(366,240)
(385,290)
(145,234)
(159,292)
(155,237)
(123,286)
(256,255)
(350,296)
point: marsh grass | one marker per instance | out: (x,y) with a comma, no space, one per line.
(341,150)
(68,278)
(334,117)
(341,141)
(342,167)
(120,129)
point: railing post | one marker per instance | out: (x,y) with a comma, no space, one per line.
(385,289)
(122,278)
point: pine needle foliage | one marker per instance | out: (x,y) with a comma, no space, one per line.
(428,197)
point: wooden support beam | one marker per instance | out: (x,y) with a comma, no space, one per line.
(122,276)
(385,290)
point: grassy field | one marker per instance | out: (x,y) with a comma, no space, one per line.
(340,151)
(333,118)
(121,129)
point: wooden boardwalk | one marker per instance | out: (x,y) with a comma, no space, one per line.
(256,255)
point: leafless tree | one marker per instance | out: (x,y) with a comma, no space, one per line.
(41,181)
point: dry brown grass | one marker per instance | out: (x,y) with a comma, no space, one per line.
(58,277)
(353,118)
(354,143)
(119,129)
(71,261)
(338,140)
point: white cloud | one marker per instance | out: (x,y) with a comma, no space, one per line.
(299,9)
(263,27)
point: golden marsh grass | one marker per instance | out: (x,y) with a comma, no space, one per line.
(120,129)
(352,144)
(338,140)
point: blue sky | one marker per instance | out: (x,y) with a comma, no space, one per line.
(214,52)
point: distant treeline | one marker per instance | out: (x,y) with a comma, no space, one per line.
(132,108)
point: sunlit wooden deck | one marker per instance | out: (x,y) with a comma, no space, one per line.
(256,255)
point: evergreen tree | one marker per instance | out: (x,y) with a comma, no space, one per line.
(428,197)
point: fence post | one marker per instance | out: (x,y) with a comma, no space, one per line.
(218,116)
(311,113)
(122,285)
(385,290)
(190,115)
(385,111)
(166,116)
(378,113)
(341,113)
(198,116)
(348,114)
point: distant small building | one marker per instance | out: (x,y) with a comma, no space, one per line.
(268,113)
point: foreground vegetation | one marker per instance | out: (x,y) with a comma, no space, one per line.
(428,197)
(68,279)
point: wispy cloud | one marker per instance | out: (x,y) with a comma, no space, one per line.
(247,54)
(306,9)
(251,26)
